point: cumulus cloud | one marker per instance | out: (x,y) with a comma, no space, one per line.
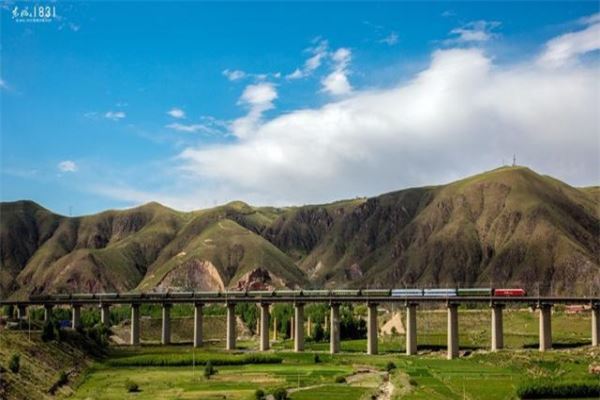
(67,166)
(565,49)
(258,98)
(115,115)
(459,116)
(474,32)
(176,113)
(336,83)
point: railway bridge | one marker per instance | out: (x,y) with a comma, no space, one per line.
(264,300)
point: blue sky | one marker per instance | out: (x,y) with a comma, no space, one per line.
(110,105)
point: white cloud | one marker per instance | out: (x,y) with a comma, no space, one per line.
(176,113)
(318,54)
(234,75)
(67,166)
(390,39)
(258,98)
(115,115)
(476,31)
(459,116)
(191,128)
(208,125)
(336,83)
(566,48)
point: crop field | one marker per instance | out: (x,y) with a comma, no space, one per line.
(177,371)
(481,375)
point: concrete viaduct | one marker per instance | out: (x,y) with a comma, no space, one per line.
(497,304)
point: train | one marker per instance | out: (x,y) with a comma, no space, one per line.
(232,294)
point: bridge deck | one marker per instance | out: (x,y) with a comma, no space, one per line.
(310,299)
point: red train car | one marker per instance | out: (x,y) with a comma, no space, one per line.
(510,292)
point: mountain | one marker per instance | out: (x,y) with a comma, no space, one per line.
(506,227)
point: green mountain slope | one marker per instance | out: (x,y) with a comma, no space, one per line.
(509,226)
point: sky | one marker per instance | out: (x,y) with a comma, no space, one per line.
(115,104)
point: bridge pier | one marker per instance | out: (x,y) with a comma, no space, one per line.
(231,332)
(595,325)
(497,327)
(309,326)
(135,325)
(299,327)
(452,331)
(76,316)
(411,329)
(166,324)
(21,314)
(292,329)
(198,307)
(372,328)
(274,328)
(334,329)
(105,315)
(47,312)
(545,327)
(264,327)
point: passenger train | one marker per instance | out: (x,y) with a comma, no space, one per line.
(437,292)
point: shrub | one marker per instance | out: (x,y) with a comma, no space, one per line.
(280,394)
(131,386)
(413,382)
(259,394)
(340,379)
(209,370)
(317,359)
(390,366)
(558,390)
(14,364)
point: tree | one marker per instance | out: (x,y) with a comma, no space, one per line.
(48,331)
(280,394)
(318,333)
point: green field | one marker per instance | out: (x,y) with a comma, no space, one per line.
(429,376)
(477,374)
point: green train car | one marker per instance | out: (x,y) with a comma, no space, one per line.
(474,291)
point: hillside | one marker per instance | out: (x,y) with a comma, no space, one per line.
(509,226)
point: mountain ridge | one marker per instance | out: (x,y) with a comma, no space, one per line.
(505,226)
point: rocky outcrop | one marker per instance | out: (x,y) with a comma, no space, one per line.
(192,275)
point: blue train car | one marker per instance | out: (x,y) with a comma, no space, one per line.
(440,292)
(406,292)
